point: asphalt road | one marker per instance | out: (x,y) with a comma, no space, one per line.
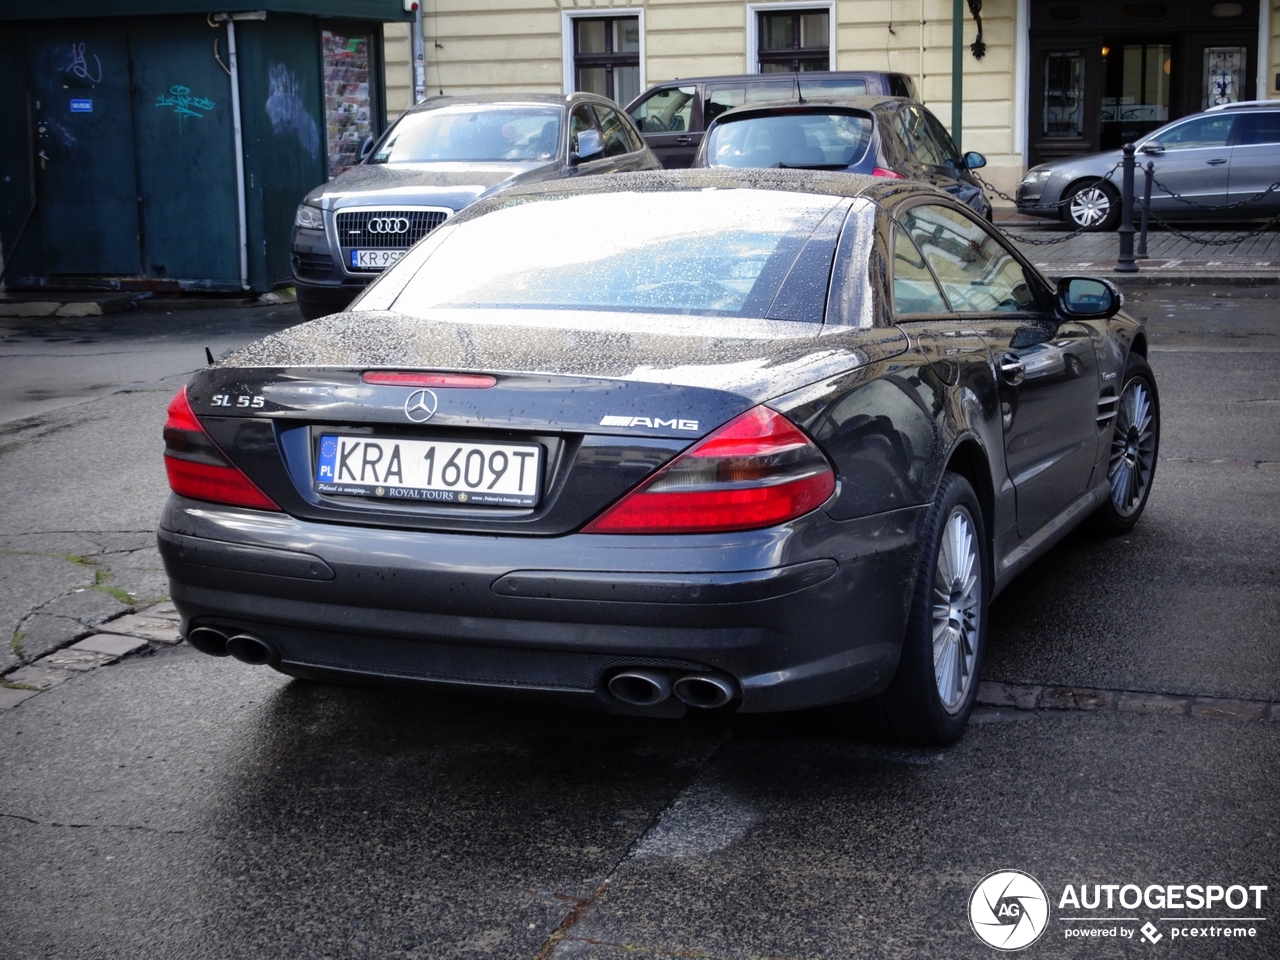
(173,805)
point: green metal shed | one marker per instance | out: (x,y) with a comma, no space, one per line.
(155,144)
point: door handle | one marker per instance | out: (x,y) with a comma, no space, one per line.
(1216,162)
(684,141)
(1012,369)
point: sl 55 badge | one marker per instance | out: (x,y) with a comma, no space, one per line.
(239,400)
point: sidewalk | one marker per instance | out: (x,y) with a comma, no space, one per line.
(1246,261)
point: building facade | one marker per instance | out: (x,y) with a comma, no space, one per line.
(1057,77)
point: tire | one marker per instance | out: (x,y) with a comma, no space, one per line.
(932,693)
(1093,206)
(1135,446)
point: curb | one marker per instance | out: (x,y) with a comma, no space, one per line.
(147,630)
(1027,696)
(1170,279)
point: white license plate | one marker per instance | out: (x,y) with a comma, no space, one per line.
(430,471)
(375,259)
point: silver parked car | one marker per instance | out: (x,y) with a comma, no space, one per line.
(1223,156)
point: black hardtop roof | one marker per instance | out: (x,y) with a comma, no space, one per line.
(817,182)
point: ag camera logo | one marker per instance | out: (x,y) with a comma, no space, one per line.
(1008,910)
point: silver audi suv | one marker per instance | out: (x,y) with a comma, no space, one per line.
(439,157)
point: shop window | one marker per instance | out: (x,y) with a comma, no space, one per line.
(797,40)
(1064,94)
(1224,69)
(606,57)
(1064,14)
(348,103)
(1137,94)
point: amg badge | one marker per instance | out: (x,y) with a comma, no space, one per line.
(656,423)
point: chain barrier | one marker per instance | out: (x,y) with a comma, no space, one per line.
(1155,217)
(1215,206)
(1225,242)
(1039,241)
(1048,206)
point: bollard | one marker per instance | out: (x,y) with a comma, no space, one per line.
(1149,174)
(1124,262)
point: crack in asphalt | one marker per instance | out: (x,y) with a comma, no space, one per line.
(1259,464)
(89,826)
(584,904)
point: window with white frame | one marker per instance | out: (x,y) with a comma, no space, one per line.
(793,40)
(606,56)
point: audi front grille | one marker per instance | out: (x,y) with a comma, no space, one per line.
(385,229)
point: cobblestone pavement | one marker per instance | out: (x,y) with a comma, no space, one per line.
(1201,255)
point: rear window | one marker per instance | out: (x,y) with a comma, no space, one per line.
(712,252)
(832,88)
(797,140)
(473,133)
(1259,128)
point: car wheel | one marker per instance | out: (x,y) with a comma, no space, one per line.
(1135,443)
(932,693)
(1093,206)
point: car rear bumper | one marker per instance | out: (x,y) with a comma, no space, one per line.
(798,616)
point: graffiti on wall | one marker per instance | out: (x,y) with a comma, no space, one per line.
(78,66)
(184,104)
(287,110)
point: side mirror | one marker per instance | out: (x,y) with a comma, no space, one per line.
(1153,147)
(1088,298)
(366,147)
(973,160)
(589,145)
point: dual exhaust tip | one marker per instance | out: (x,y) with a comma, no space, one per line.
(645,688)
(242,646)
(639,688)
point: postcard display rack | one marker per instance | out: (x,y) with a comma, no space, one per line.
(346,97)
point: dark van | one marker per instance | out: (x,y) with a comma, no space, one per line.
(673,116)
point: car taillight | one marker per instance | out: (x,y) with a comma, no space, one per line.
(886,172)
(198,469)
(758,470)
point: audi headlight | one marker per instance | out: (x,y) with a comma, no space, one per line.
(309,217)
(1037,176)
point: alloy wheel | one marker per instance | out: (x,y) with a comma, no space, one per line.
(1090,206)
(957,610)
(1133,447)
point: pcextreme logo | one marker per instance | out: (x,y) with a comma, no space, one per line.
(1009,910)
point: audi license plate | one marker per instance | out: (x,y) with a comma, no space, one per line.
(487,474)
(375,259)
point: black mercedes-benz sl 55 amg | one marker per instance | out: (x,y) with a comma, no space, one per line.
(755,440)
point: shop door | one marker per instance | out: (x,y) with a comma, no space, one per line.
(86,182)
(186,151)
(1066,90)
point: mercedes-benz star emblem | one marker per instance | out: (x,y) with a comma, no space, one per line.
(420,406)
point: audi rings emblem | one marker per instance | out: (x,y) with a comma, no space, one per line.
(420,406)
(388,225)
